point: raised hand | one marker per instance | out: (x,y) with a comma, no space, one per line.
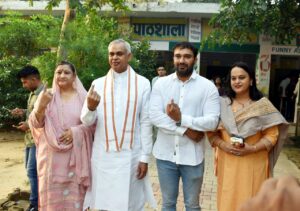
(93,99)
(173,111)
(45,98)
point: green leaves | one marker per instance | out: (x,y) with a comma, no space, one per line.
(35,40)
(117,5)
(26,37)
(11,92)
(240,19)
(144,60)
(86,42)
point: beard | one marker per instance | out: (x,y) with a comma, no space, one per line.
(184,73)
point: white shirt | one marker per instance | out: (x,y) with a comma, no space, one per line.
(284,84)
(198,100)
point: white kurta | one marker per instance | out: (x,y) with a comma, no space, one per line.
(114,183)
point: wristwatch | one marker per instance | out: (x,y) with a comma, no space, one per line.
(178,123)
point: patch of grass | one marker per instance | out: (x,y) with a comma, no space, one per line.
(296,141)
(14,162)
(26,183)
(293,154)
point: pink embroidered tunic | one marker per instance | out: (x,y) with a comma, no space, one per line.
(63,170)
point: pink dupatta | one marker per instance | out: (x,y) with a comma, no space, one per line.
(82,137)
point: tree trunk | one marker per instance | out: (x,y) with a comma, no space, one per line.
(68,16)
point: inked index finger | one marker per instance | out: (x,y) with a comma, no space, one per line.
(45,86)
(92,88)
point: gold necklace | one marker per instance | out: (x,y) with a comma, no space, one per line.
(248,102)
(238,105)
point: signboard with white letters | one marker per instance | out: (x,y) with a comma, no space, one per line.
(285,50)
(160,29)
(194,30)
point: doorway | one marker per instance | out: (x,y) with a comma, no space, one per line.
(284,75)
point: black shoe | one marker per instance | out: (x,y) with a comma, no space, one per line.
(32,208)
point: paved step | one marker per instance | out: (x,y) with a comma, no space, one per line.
(209,188)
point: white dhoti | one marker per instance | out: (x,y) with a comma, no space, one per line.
(114,184)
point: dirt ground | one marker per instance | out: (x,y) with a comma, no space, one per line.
(12,169)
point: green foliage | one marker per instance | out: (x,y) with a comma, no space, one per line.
(202,1)
(46,63)
(238,20)
(11,92)
(28,37)
(86,42)
(117,5)
(22,39)
(144,60)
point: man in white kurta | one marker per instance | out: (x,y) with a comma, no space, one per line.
(118,104)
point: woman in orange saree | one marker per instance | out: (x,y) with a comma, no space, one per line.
(247,141)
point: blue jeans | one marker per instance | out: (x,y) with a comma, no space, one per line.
(169,174)
(30,165)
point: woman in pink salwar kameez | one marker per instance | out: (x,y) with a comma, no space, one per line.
(63,143)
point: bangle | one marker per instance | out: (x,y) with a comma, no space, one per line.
(267,144)
(255,148)
(39,113)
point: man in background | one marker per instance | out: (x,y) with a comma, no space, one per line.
(161,72)
(31,80)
